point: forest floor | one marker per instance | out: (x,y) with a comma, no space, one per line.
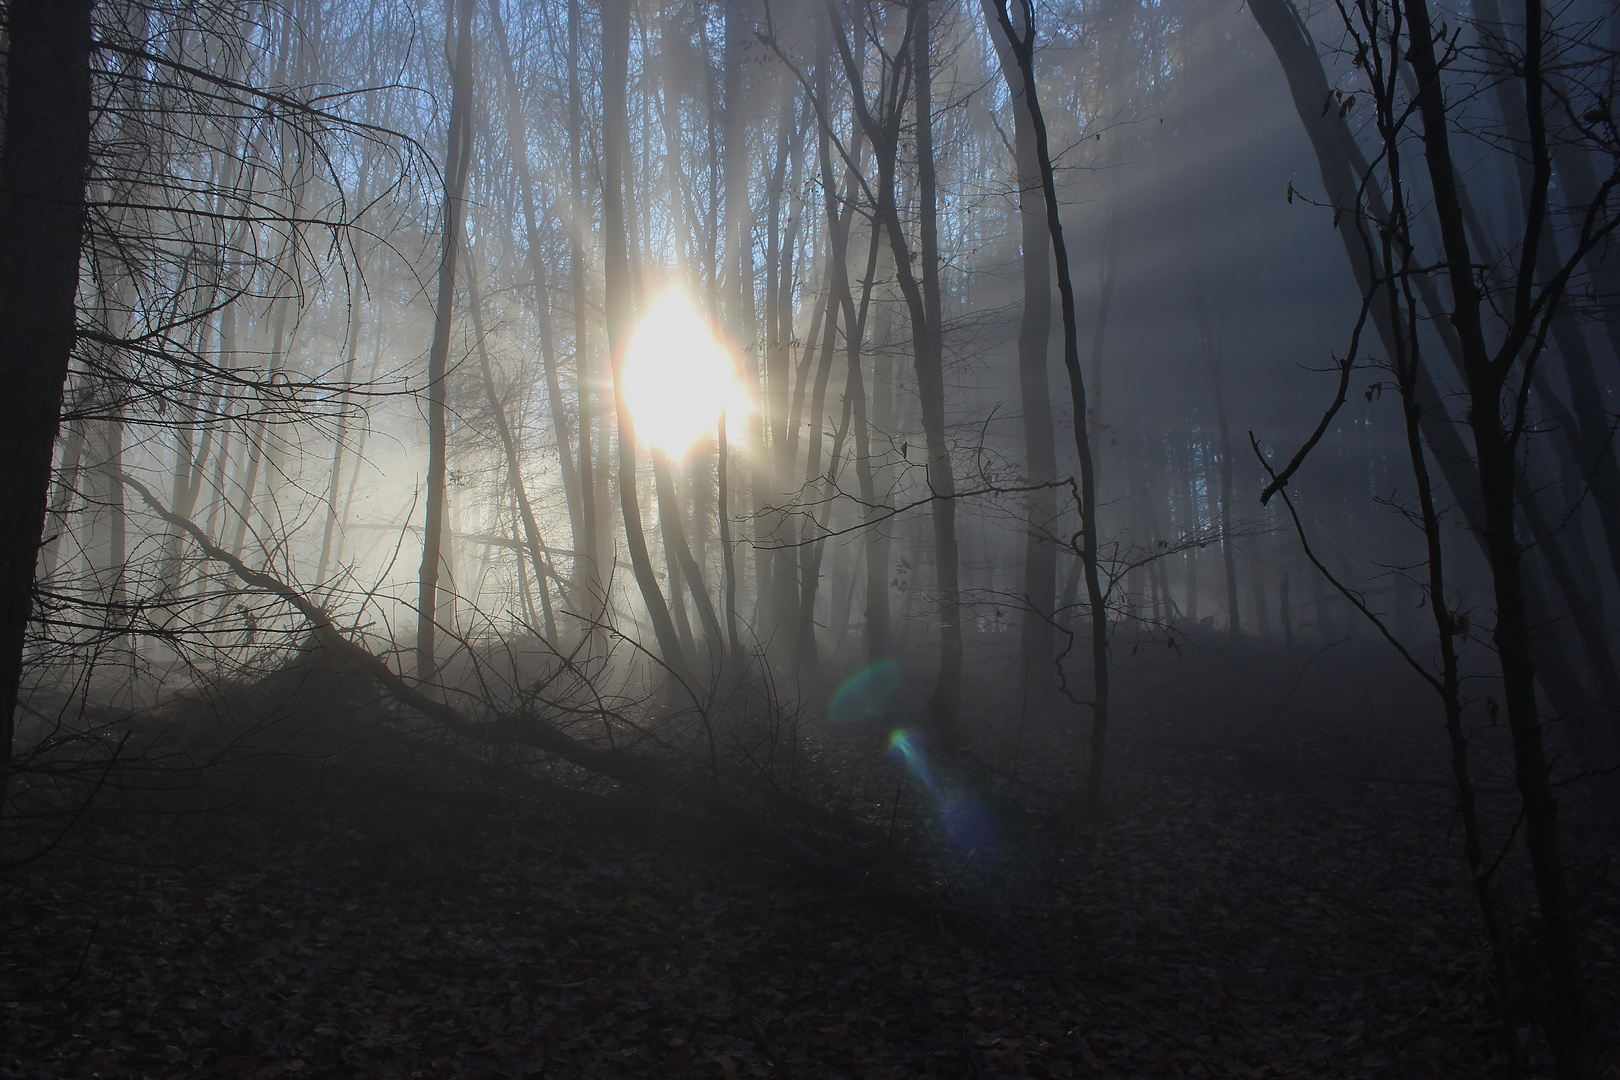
(1276,890)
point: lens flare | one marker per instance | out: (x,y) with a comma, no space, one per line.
(678,376)
(903,745)
(866,694)
(969,828)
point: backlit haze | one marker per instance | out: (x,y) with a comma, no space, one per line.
(678,376)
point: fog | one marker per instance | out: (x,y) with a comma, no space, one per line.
(797,427)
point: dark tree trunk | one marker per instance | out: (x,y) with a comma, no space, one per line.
(1023,50)
(514,467)
(42,176)
(728,559)
(457,167)
(945,704)
(923,308)
(1342,163)
(682,562)
(592,480)
(615,146)
(1037,632)
(1495,451)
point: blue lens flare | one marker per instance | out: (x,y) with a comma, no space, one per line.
(903,747)
(867,693)
(970,830)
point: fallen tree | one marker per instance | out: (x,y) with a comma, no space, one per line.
(715,792)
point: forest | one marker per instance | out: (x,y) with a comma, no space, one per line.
(809,538)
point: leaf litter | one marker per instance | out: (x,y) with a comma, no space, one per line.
(1276,891)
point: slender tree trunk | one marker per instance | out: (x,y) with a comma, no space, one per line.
(359,460)
(518,139)
(1211,340)
(339,443)
(615,140)
(945,704)
(874,497)
(1023,49)
(839,300)
(1480,868)
(514,462)
(1037,630)
(191,451)
(1262,612)
(681,558)
(879,537)
(1495,446)
(855,317)
(258,432)
(737,265)
(728,562)
(591,495)
(772,462)
(106,523)
(672,574)
(457,168)
(1286,614)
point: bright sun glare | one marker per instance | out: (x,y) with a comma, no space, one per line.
(678,376)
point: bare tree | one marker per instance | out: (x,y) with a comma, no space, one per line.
(1020,38)
(1497,328)
(1034,332)
(904,69)
(615,139)
(458,165)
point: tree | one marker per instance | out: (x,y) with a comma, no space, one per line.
(1034,331)
(458,165)
(1497,328)
(615,139)
(1492,373)
(43,169)
(906,67)
(1020,38)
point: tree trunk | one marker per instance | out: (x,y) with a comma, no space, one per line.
(738,276)
(1023,49)
(1038,639)
(728,562)
(43,167)
(1495,448)
(1211,340)
(67,483)
(457,168)
(945,704)
(514,462)
(615,140)
(341,439)
(518,140)
(592,480)
(682,560)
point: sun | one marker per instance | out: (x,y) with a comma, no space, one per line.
(678,376)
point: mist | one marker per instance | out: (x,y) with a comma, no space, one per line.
(602,537)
